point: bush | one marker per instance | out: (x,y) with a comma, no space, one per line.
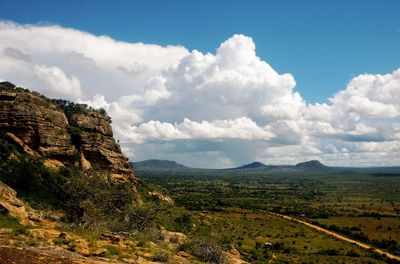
(184,222)
(329,252)
(32,180)
(161,257)
(96,202)
(113,251)
(352,253)
(205,251)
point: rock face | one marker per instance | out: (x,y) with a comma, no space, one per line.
(65,134)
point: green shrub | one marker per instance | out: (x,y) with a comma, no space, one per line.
(161,257)
(207,251)
(60,241)
(33,181)
(329,252)
(352,253)
(113,251)
(95,202)
(7,221)
(184,222)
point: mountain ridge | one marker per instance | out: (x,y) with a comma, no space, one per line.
(256,165)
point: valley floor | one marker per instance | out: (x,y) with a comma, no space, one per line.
(338,236)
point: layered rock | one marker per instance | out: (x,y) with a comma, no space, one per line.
(10,204)
(63,133)
(37,122)
(97,145)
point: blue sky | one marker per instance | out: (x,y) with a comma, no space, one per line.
(220,83)
(322,43)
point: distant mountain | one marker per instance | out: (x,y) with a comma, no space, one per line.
(310,165)
(161,165)
(155,164)
(253,165)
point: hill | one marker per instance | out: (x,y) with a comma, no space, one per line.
(253,165)
(310,165)
(67,193)
(156,164)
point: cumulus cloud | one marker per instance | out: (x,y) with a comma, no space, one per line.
(240,128)
(205,109)
(56,83)
(232,83)
(371,95)
(101,64)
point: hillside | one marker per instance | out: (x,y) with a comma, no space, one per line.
(253,165)
(310,165)
(68,195)
(157,165)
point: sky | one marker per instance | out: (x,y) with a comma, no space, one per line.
(220,83)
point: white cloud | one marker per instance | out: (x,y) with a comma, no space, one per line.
(371,95)
(102,64)
(56,83)
(232,83)
(240,128)
(203,108)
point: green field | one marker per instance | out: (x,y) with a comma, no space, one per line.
(234,206)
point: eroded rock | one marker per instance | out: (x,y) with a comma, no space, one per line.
(63,133)
(10,204)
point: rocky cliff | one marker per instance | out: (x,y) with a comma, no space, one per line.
(63,133)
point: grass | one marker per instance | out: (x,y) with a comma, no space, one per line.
(233,209)
(7,221)
(113,251)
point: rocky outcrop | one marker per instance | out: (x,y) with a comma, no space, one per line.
(94,139)
(11,205)
(162,197)
(63,133)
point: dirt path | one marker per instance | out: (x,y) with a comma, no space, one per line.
(336,235)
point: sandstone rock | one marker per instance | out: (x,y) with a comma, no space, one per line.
(162,197)
(10,204)
(82,247)
(84,163)
(22,146)
(115,239)
(63,133)
(126,260)
(53,163)
(183,254)
(233,256)
(98,252)
(35,217)
(141,260)
(173,237)
(5,231)
(45,234)
(38,123)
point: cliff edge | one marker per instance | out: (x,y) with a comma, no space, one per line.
(62,132)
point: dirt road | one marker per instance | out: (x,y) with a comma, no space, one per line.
(338,236)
